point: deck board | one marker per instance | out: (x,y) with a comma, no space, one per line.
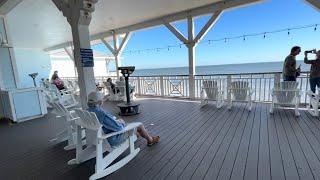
(196,143)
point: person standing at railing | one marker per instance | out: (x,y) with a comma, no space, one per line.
(314,70)
(290,72)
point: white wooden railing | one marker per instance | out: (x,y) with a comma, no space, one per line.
(178,85)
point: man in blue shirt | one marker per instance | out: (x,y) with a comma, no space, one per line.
(111,124)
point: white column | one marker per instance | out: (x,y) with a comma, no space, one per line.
(78,14)
(86,80)
(191,55)
(116,54)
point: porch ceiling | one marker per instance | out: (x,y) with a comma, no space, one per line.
(39,24)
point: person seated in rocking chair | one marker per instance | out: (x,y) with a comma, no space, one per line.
(111,124)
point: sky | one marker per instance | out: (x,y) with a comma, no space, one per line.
(263,17)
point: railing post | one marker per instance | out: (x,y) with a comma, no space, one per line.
(161,86)
(277,77)
(138,86)
(228,86)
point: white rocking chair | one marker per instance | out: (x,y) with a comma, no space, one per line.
(285,94)
(69,133)
(113,96)
(65,97)
(210,92)
(240,92)
(97,144)
(313,105)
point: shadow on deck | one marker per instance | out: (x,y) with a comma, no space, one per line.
(196,143)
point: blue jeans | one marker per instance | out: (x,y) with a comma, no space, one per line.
(289,78)
(315,81)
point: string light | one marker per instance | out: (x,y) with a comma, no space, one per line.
(226,39)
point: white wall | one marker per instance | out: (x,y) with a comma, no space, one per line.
(65,67)
(31,61)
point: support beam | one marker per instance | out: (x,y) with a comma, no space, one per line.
(314,3)
(203,10)
(117,49)
(191,43)
(116,55)
(69,53)
(108,46)
(191,53)
(176,32)
(78,14)
(124,42)
(7,5)
(208,26)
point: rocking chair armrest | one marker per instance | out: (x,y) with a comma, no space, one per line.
(73,119)
(65,91)
(128,127)
(285,90)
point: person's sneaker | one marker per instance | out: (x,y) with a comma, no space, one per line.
(155,139)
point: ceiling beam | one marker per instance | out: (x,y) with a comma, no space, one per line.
(314,3)
(7,5)
(203,10)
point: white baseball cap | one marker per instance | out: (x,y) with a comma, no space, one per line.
(95,97)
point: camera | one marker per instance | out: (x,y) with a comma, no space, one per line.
(314,51)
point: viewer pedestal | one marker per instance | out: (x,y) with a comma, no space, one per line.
(128,109)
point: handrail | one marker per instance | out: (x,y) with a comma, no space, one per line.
(178,85)
(186,75)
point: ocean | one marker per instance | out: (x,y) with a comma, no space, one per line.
(262,67)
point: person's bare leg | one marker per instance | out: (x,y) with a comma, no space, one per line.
(144,133)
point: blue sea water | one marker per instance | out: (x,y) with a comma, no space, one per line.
(262,67)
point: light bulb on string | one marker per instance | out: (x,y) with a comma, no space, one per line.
(288,32)
(315,28)
(264,35)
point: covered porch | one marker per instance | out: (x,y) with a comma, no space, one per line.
(196,143)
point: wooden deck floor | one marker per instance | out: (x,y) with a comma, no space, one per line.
(196,143)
